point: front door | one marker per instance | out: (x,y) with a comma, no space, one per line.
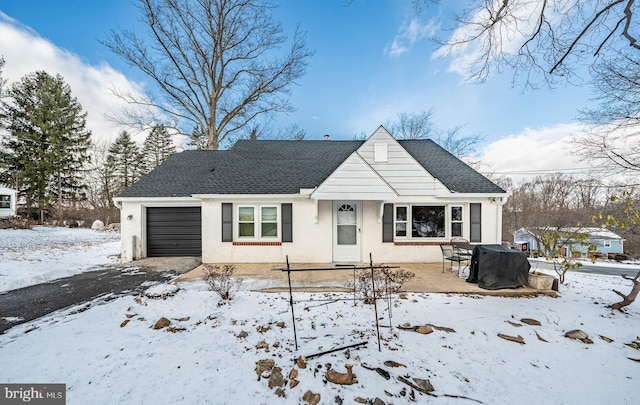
(346,231)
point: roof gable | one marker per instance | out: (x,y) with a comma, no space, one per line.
(354,179)
(400,169)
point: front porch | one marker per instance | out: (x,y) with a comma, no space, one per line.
(429,278)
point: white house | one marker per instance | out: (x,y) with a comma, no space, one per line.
(7,201)
(315,201)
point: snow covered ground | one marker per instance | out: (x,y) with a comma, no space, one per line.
(109,353)
(41,254)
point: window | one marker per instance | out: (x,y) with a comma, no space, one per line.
(347,225)
(269,222)
(246,222)
(475,226)
(401,222)
(257,222)
(427,221)
(5,201)
(456,221)
(607,243)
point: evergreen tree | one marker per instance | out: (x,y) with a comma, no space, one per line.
(158,146)
(126,162)
(197,139)
(47,146)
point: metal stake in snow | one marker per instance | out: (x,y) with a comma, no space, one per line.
(288,269)
(293,317)
(375,300)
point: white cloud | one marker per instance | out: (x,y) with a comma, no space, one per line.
(408,34)
(25,52)
(534,152)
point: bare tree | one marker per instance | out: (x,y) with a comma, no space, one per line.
(562,41)
(215,63)
(627,299)
(412,125)
(420,125)
(551,37)
(551,202)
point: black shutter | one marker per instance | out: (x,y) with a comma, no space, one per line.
(287,222)
(387,223)
(227,222)
(475,214)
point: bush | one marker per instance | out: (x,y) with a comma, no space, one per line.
(221,280)
(17,222)
(385,279)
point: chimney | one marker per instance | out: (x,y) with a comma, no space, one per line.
(326,137)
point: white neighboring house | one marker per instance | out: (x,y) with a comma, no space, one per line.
(314,201)
(8,202)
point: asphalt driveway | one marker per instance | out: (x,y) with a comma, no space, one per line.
(29,303)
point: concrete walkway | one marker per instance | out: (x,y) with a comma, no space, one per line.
(429,278)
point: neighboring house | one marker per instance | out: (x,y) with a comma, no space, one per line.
(314,201)
(604,240)
(7,201)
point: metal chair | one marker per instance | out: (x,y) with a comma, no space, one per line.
(449,252)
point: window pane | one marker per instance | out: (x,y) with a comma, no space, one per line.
(427,222)
(346,235)
(246,229)
(456,213)
(269,214)
(346,218)
(456,229)
(401,213)
(5,201)
(269,229)
(401,229)
(245,213)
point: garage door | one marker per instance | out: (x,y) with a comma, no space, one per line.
(174,231)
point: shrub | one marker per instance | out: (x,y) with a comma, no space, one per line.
(385,279)
(16,222)
(221,280)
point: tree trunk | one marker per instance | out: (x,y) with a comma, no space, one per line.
(629,298)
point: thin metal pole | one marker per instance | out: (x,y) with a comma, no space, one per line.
(293,317)
(354,286)
(375,301)
(388,297)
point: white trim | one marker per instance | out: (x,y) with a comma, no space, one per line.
(335,186)
(149,201)
(250,197)
(257,223)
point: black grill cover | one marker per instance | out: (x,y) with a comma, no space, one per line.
(495,266)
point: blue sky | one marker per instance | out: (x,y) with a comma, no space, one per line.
(355,80)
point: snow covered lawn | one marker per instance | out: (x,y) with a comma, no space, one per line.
(110,353)
(107,352)
(43,254)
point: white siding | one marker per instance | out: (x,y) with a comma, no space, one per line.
(402,172)
(11,211)
(354,180)
(312,242)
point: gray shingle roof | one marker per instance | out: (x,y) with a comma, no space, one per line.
(284,167)
(451,171)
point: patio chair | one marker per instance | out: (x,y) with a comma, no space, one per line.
(449,252)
